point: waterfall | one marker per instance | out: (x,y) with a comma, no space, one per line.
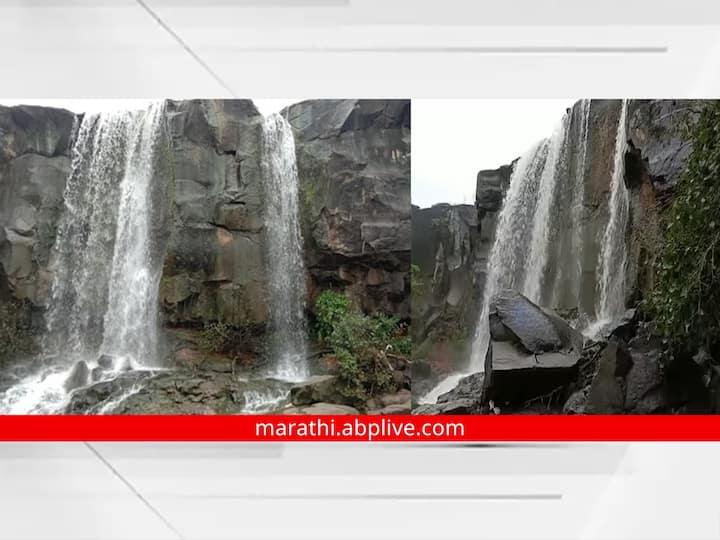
(613,256)
(506,266)
(542,222)
(106,260)
(542,206)
(131,319)
(573,274)
(284,252)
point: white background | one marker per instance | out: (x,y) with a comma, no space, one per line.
(558,49)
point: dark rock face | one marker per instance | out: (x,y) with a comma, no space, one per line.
(34,165)
(607,395)
(354,163)
(354,169)
(451,245)
(214,268)
(449,252)
(35,130)
(490,189)
(653,128)
(645,391)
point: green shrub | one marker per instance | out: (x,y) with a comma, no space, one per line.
(685,299)
(361,345)
(330,308)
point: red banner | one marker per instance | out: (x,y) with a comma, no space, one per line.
(360,428)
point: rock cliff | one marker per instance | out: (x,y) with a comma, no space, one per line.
(450,249)
(657,149)
(354,168)
(35,155)
(214,267)
(353,161)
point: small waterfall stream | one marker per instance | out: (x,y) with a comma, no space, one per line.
(541,221)
(285,263)
(613,257)
(106,260)
(542,224)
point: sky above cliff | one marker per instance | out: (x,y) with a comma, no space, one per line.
(453,139)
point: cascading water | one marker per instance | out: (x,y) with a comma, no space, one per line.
(569,275)
(531,225)
(613,257)
(131,319)
(285,264)
(541,233)
(505,264)
(106,260)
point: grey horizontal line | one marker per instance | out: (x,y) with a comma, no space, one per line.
(459,50)
(389,496)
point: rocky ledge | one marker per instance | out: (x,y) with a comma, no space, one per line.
(537,363)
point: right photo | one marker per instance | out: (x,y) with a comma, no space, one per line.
(566,256)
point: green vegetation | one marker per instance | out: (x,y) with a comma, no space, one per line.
(685,298)
(330,309)
(363,346)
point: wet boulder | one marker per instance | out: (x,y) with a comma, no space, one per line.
(93,398)
(532,351)
(105,361)
(79,376)
(319,388)
(470,387)
(535,329)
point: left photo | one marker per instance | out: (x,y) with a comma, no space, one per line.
(205,257)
